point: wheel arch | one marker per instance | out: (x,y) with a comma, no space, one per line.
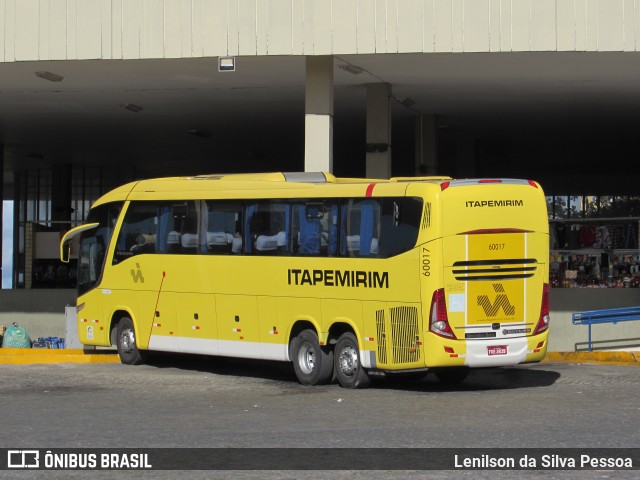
(297,327)
(340,327)
(118,315)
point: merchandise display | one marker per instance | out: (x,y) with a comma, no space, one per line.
(588,255)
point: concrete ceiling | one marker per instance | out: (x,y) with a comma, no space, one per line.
(195,119)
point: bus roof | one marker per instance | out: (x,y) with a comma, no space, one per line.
(290,184)
(248,185)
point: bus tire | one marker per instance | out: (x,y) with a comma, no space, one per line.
(312,364)
(126,342)
(451,375)
(347,365)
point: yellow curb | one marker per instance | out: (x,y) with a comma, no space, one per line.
(26,356)
(41,351)
(617,358)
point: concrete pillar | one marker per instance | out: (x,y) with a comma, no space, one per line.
(426,146)
(378,146)
(318,118)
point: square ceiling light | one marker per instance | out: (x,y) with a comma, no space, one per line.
(226,64)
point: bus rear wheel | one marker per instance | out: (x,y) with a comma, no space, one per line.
(348,367)
(312,364)
(126,343)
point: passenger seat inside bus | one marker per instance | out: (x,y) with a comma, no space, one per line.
(220,242)
(353,246)
(173,242)
(266,243)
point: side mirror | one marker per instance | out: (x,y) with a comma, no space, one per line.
(65,243)
(65,251)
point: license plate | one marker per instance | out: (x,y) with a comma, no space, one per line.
(497,350)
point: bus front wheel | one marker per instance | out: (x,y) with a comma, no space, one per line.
(348,367)
(127,346)
(312,364)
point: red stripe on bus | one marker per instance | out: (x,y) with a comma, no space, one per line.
(370,189)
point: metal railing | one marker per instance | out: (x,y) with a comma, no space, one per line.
(611,315)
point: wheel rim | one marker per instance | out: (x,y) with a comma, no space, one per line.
(307,358)
(348,361)
(127,341)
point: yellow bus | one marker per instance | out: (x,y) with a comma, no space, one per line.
(345,278)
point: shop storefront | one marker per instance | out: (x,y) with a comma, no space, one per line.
(590,250)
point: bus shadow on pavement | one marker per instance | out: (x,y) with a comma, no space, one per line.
(227,366)
(479,379)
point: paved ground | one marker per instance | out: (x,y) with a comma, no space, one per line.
(206,403)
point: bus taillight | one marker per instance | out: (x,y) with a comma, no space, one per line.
(439,319)
(543,321)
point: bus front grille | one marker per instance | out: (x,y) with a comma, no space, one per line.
(382,339)
(491,270)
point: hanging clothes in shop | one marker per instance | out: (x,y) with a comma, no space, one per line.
(630,237)
(603,238)
(587,236)
(574,237)
(560,236)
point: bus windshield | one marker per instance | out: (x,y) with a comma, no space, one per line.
(94,244)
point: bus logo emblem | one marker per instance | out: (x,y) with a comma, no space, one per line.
(501,301)
(137,274)
(23,458)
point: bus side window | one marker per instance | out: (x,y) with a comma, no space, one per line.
(224,227)
(360,228)
(260,237)
(138,231)
(189,230)
(330,228)
(315,228)
(308,234)
(268,228)
(400,224)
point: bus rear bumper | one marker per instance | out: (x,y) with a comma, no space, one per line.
(483,353)
(496,353)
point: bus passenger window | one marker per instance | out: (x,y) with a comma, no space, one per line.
(189,229)
(360,228)
(138,231)
(315,228)
(268,228)
(307,229)
(400,223)
(224,227)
